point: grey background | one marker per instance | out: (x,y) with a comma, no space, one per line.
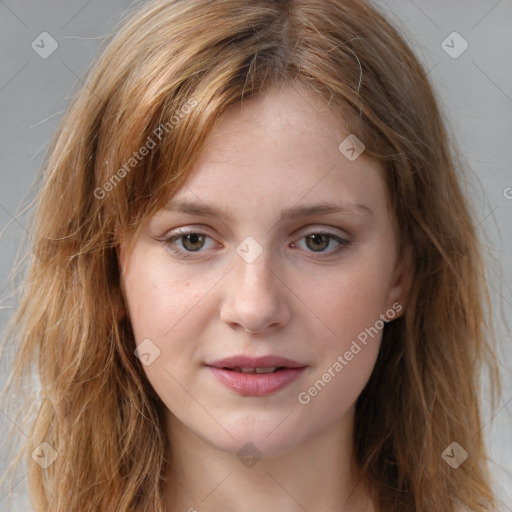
(475,90)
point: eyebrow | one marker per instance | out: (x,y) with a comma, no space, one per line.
(325,208)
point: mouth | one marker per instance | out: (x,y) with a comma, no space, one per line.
(239,369)
(256,376)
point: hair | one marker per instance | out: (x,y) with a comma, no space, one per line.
(163,80)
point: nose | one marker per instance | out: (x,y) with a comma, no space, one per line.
(256,299)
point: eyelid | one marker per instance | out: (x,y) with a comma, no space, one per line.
(343,240)
(322,229)
(311,229)
(181,232)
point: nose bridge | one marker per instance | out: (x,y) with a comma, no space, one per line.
(254,267)
(254,296)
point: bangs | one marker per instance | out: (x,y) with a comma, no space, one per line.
(163,106)
(158,118)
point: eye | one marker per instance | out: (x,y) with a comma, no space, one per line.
(190,241)
(317,242)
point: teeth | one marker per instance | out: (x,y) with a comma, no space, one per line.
(255,370)
(267,370)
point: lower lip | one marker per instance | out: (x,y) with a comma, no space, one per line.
(256,384)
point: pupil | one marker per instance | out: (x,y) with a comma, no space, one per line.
(317,239)
(193,238)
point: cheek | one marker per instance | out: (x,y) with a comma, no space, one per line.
(346,303)
(164,307)
(158,299)
(346,352)
(349,305)
(333,390)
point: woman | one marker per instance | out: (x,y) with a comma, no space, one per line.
(255,282)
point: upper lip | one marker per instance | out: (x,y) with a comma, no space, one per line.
(254,362)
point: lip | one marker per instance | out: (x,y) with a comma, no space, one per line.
(254,362)
(253,384)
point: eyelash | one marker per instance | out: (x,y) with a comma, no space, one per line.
(343,242)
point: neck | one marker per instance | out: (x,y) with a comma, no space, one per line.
(317,475)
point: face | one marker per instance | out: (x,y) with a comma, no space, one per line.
(261,252)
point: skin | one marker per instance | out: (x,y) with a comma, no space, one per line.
(305,302)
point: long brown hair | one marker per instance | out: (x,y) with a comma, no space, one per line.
(167,75)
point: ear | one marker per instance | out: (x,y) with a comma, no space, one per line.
(401,282)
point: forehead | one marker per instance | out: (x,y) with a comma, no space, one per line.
(284,118)
(280,148)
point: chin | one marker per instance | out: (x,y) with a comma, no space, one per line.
(255,444)
(269,439)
